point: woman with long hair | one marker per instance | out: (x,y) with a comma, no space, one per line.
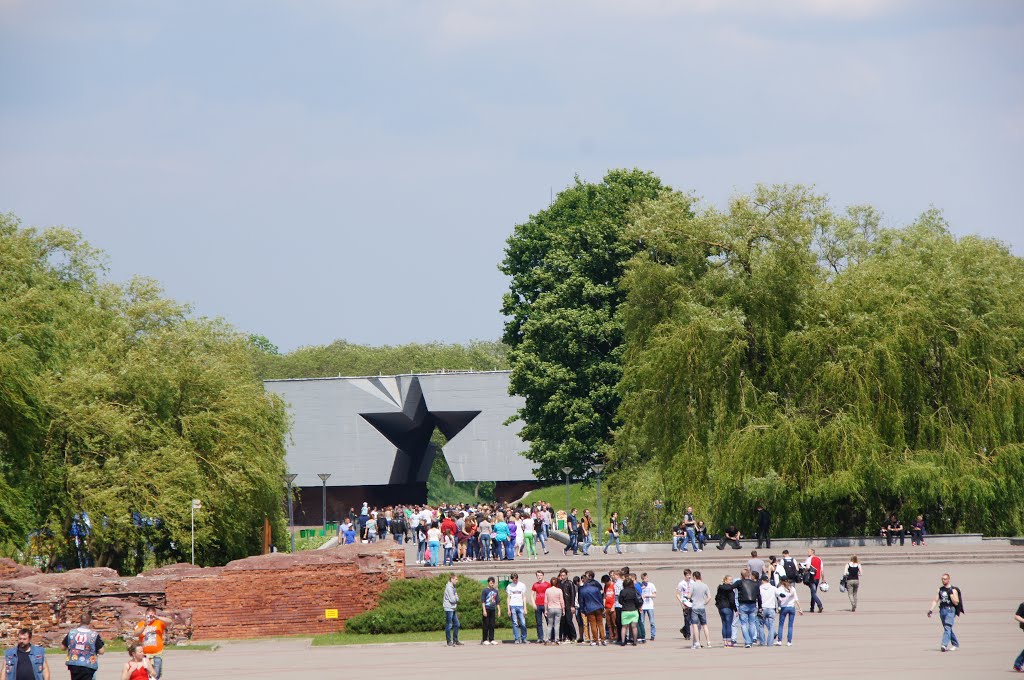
(725,602)
(630,601)
(789,607)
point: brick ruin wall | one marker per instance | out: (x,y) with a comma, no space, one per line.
(277,594)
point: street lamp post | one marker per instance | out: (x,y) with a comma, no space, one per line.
(324,476)
(289,478)
(567,470)
(196,505)
(597,468)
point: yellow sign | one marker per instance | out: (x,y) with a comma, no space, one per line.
(330,613)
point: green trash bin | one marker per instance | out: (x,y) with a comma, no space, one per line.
(560,525)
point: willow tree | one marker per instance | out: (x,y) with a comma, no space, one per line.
(119,403)
(782,352)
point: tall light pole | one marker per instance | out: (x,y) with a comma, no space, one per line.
(597,468)
(196,505)
(289,478)
(567,470)
(324,476)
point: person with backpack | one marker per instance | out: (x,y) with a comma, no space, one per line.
(951,605)
(613,534)
(814,574)
(790,568)
(1018,664)
(851,581)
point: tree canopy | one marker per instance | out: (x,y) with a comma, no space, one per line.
(345,358)
(119,403)
(563,330)
(784,352)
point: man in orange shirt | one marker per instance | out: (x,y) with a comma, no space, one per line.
(151,633)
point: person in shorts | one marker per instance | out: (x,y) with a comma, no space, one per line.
(700,595)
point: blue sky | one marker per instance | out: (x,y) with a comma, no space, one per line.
(321,170)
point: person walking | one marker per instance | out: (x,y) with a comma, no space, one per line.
(25,660)
(1018,663)
(586,531)
(613,534)
(766,617)
(789,607)
(683,590)
(515,599)
(852,576)
(490,610)
(749,598)
(451,615)
(725,602)
(538,599)
(150,633)
(572,532)
(529,539)
(554,607)
(138,666)
(631,603)
(950,606)
(84,647)
(700,595)
(756,565)
(816,574)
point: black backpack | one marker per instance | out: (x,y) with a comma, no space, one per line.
(789,565)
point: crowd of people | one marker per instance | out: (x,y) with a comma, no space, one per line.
(500,531)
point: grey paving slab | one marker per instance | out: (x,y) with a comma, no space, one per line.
(888,637)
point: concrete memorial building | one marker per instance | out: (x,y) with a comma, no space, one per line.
(372,436)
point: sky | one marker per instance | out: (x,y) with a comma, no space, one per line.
(315,170)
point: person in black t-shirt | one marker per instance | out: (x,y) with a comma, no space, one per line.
(948,600)
(1018,664)
(893,529)
(732,536)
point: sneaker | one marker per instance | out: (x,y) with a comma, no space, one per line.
(699,550)
(695,646)
(457,644)
(789,644)
(746,646)
(778,643)
(943,649)
(593,644)
(952,648)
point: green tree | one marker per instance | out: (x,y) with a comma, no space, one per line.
(120,404)
(782,352)
(563,331)
(345,358)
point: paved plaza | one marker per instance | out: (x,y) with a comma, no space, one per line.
(888,637)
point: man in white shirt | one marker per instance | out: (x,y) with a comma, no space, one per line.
(516,594)
(648,592)
(683,594)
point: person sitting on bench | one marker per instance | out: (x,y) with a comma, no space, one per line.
(732,536)
(893,529)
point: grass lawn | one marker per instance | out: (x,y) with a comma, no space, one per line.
(469,636)
(119,645)
(581,496)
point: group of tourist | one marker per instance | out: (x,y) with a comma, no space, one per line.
(448,534)
(84,646)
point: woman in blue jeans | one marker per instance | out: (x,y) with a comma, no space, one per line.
(789,606)
(434,544)
(725,601)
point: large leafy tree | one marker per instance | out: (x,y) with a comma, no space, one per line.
(563,331)
(782,352)
(120,404)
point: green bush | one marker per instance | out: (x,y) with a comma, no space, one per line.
(413,605)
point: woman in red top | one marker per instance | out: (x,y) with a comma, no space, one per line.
(609,606)
(138,667)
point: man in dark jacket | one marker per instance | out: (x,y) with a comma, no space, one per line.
(569,592)
(764,526)
(749,597)
(592,604)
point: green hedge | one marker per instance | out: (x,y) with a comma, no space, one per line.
(412,605)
